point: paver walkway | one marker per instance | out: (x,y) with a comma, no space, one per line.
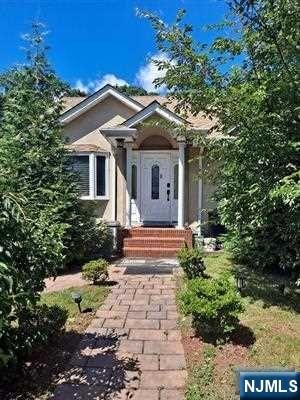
(66,281)
(132,349)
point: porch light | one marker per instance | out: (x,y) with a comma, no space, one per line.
(76,297)
(240,282)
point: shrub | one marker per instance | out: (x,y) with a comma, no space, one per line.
(214,304)
(38,325)
(89,239)
(98,240)
(95,271)
(191,261)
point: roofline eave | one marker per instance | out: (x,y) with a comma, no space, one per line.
(95,98)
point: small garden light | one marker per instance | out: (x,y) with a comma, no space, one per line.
(240,282)
(77,299)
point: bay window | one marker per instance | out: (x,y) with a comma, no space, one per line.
(92,169)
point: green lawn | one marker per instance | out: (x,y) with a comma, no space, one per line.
(92,297)
(269,337)
(37,379)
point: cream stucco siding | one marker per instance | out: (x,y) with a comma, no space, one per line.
(85,128)
(192,193)
(145,132)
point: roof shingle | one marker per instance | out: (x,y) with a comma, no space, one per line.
(197,121)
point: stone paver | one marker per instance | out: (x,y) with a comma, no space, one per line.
(172,395)
(132,349)
(161,347)
(171,361)
(163,379)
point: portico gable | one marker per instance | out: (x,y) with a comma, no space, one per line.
(155,167)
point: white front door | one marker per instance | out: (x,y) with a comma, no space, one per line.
(156,195)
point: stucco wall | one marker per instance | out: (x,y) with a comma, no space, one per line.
(85,128)
(146,132)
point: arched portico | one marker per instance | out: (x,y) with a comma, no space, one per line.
(155,166)
(155,181)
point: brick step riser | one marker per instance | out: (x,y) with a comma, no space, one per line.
(174,234)
(153,246)
(184,241)
(154,243)
(142,252)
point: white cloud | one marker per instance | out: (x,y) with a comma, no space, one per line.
(144,78)
(149,72)
(108,78)
(93,86)
(81,86)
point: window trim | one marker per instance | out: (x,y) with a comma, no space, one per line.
(93,175)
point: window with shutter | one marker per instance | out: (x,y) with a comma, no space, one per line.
(81,165)
(92,172)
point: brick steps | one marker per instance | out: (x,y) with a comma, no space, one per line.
(152,242)
(149,252)
(155,242)
(156,232)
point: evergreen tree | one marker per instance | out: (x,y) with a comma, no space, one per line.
(41,219)
(33,158)
(42,222)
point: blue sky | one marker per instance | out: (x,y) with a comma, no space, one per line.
(93,41)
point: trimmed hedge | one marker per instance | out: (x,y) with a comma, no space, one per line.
(214,304)
(95,271)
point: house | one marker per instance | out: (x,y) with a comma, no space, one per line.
(136,171)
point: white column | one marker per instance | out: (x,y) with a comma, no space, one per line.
(92,177)
(181,164)
(200,197)
(128,183)
(113,175)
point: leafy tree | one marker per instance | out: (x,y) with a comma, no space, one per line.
(23,324)
(66,88)
(256,104)
(133,90)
